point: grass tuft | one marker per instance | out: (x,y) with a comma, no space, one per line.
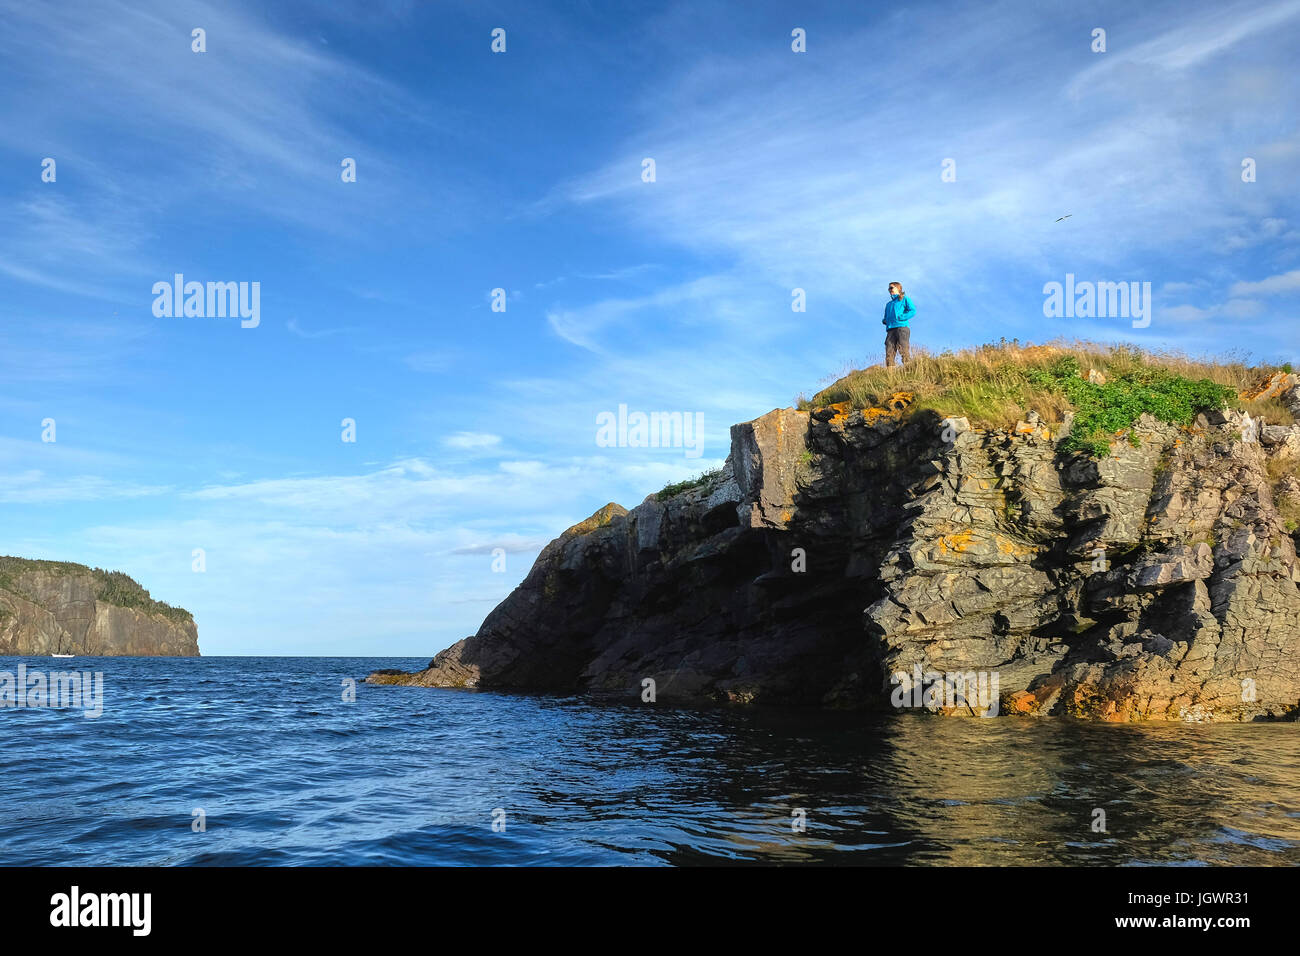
(677,487)
(995,386)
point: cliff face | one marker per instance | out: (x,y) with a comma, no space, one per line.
(840,547)
(49,607)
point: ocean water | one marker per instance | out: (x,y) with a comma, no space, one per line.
(287,773)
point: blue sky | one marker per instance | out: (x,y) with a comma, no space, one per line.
(522,171)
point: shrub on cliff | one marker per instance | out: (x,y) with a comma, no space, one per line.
(1106,387)
(1103,409)
(708,478)
(122,590)
(111,587)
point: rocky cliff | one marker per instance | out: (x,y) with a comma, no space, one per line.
(51,607)
(840,547)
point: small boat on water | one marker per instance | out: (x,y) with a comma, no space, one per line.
(63,655)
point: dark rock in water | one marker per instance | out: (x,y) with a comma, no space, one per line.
(54,607)
(379,676)
(841,547)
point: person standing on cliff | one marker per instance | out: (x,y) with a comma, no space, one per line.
(898,312)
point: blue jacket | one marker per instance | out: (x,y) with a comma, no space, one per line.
(898,312)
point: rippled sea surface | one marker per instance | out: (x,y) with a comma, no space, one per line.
(287,773)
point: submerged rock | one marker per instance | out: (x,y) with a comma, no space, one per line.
(841,547)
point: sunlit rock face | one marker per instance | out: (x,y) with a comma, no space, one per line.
(51,607)
(840,548)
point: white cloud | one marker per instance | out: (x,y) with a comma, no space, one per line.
(1273,285)
(260,121)
(818,179)
(709,298)
(509,543)
(1184,313)
(1190,44)
(36,487)
(474,441)
(1242,308)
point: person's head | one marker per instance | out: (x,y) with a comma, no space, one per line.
(896,288)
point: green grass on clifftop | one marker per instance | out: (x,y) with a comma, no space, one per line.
(699,481)
(1103,410)
(112,587)
(994,386)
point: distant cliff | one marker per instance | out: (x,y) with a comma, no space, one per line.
(52,607)
(1132,558)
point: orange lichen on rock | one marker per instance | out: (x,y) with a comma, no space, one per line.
(1022,702)
(892,409)
(1112,705)
(842,411)
(1011,546)
(958,542)
(1271,387)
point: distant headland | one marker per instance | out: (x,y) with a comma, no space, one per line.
(54,607)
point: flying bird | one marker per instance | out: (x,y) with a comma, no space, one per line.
(1066,216)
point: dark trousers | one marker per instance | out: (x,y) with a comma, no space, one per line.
(897,341)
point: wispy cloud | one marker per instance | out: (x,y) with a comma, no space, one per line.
(293,326)
(1273,285)
(818,179)
(1210,34)
(508,544)
(716,300)
(473,441)
(35,487)
(141,126)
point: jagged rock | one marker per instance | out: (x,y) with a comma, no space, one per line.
(1276,386)
(1180,564)
(764,455)
(841,548)
(1283,441)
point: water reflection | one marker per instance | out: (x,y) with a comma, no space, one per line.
(289,774)
(918,790)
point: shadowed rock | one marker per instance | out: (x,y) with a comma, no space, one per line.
(839,547)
